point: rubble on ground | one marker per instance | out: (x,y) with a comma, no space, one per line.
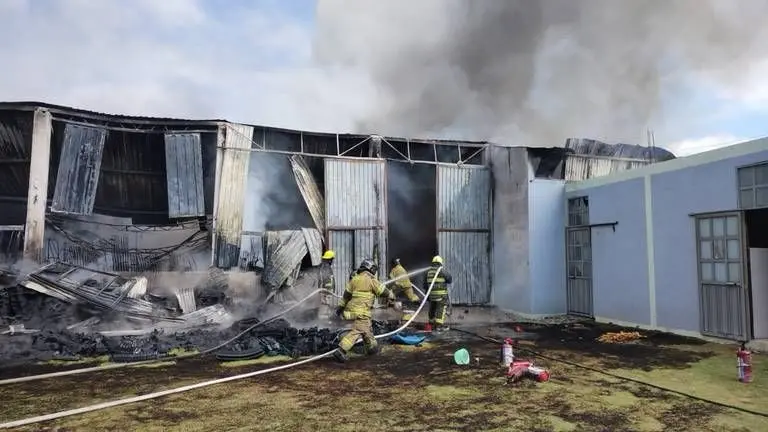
(65,312)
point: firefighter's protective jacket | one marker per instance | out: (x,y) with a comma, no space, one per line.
(360,294)
(325,279)
(398,271)
(403,285)
(440,289)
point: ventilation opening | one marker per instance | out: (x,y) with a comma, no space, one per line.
(412,213)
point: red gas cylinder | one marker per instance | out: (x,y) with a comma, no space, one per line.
(744,362)
(539,374)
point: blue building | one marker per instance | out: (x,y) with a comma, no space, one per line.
(680,245)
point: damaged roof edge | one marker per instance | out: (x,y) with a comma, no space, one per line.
(170,121)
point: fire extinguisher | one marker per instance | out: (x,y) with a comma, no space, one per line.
(507,353)
(744,362)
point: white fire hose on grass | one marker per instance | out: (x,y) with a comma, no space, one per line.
(126,401)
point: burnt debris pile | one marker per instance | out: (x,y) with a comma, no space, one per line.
(69,313)
(272,339)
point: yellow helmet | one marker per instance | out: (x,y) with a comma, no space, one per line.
(437,259)
(329,254)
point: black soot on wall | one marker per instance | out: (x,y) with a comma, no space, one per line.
(411,213)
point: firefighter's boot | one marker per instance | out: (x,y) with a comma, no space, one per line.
(372,351)
(340,355)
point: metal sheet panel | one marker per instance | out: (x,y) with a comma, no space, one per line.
(314,241)
(79,167)
(723,311)
(355,193)
(371,244)
(343,243)
(467,257)
(464,222)
(309,191)
(184,174)
(285,251)
(579,168)
(464,197)
(230,197)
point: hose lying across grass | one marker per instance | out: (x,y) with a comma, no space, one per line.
(104,405)
(619,377)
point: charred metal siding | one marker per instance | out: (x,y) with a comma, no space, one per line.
(464,197)
(343,243)
(355,193)
(184,164)
(356,206)
(78,173)
(314,240)
(464,234)
(285,251)
(579,167)
(309,191)
(234,156)
(15,157)
(15,149)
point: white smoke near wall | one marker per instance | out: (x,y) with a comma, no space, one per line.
(535,72)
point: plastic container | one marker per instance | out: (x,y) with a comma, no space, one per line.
(461,357)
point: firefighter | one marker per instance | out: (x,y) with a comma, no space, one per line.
(356,305)
(326,282)
(403,286)
(438,297)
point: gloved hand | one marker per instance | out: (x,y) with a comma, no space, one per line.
(339,311)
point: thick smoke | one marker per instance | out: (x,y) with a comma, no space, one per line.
(533,73)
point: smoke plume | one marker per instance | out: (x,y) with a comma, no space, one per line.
(524,72)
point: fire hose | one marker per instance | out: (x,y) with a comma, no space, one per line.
(114,403)
(180,357)
(619,377)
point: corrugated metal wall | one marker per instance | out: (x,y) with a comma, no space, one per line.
(184,174)
(78,171)
(464,234)
(356,203)
(578,167)
(309,191)
(234,158)
(343,243)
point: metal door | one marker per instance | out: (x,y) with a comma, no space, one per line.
(579,261)
(79,166)
(722,293)
(356,203)
(184,175)
(464,231)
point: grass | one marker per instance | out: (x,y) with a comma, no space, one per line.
(414,389)
(259,361)
(81,361)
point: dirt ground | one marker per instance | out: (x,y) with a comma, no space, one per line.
(420,389)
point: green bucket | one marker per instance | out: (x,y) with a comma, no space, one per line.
(461,357)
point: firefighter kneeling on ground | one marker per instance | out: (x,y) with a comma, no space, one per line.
(357,305)
(438,297)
